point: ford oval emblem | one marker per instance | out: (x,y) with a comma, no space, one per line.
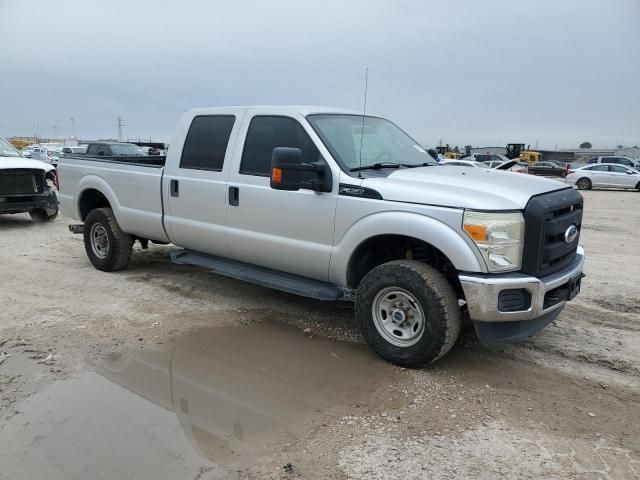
(571,234)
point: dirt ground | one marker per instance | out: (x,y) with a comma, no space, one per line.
(151,366)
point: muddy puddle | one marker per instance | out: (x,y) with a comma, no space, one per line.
(224,397)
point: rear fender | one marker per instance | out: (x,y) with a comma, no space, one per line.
(93,182)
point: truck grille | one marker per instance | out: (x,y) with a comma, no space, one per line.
(21,181)
(547,218)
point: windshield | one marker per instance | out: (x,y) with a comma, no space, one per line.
(8,150)
(355,143)
(126,149)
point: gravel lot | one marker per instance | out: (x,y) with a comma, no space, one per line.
(565,404)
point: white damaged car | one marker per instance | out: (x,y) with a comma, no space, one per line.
(26,185)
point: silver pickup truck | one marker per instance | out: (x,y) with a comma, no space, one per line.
(334,205)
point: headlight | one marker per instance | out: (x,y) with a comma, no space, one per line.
(499,236)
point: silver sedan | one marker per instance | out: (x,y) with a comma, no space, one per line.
(604,175)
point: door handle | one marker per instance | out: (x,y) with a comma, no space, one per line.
(234,196)
(174,188)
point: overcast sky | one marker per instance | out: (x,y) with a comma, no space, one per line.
(466,71)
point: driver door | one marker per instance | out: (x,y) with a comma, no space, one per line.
(290,231)
(619,177)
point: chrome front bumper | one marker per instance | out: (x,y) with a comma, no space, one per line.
(482,291)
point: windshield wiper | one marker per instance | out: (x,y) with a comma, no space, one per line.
(376,166)
(427,164)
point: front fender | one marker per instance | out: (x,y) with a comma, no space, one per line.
(462,253)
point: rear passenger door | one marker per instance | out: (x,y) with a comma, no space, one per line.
(599,175)
(195,184)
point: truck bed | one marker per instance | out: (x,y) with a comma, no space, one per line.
(132,185)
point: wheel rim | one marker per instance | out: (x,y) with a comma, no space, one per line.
(99,240)
(583,184)
(398,316)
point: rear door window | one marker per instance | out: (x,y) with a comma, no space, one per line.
(599,168)
(617,169)
(266,133)
(206,144)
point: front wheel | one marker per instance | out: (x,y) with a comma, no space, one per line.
(408,313)
(107,246)
(563,174)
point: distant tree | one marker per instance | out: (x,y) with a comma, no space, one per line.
(620,146)
(585,145)
(456,149)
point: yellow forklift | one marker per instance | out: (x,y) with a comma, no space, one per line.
(445,151)
(530,157)
(517,150)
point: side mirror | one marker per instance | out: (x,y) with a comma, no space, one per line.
(289,172)
(629,172)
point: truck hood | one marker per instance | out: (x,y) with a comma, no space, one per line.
(20,162)
(462,187)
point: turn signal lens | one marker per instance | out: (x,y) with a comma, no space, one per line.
(276,175)
(478,233)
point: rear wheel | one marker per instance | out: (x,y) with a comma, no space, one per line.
(563,174)
(107,246)
(408,313)
(584,184)
(638,186)
(41,216)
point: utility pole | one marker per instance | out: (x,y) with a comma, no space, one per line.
(73,128)
(120,125)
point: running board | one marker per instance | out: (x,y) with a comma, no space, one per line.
(265,277)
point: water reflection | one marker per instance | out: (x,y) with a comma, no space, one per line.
(238,391)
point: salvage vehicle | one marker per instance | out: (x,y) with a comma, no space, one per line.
(24,187)
(335,205)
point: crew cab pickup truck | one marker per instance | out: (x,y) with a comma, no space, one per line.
(334,205)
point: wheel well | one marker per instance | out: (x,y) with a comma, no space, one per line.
(384,248)
(91,199)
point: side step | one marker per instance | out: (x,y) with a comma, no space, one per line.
(263,276)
